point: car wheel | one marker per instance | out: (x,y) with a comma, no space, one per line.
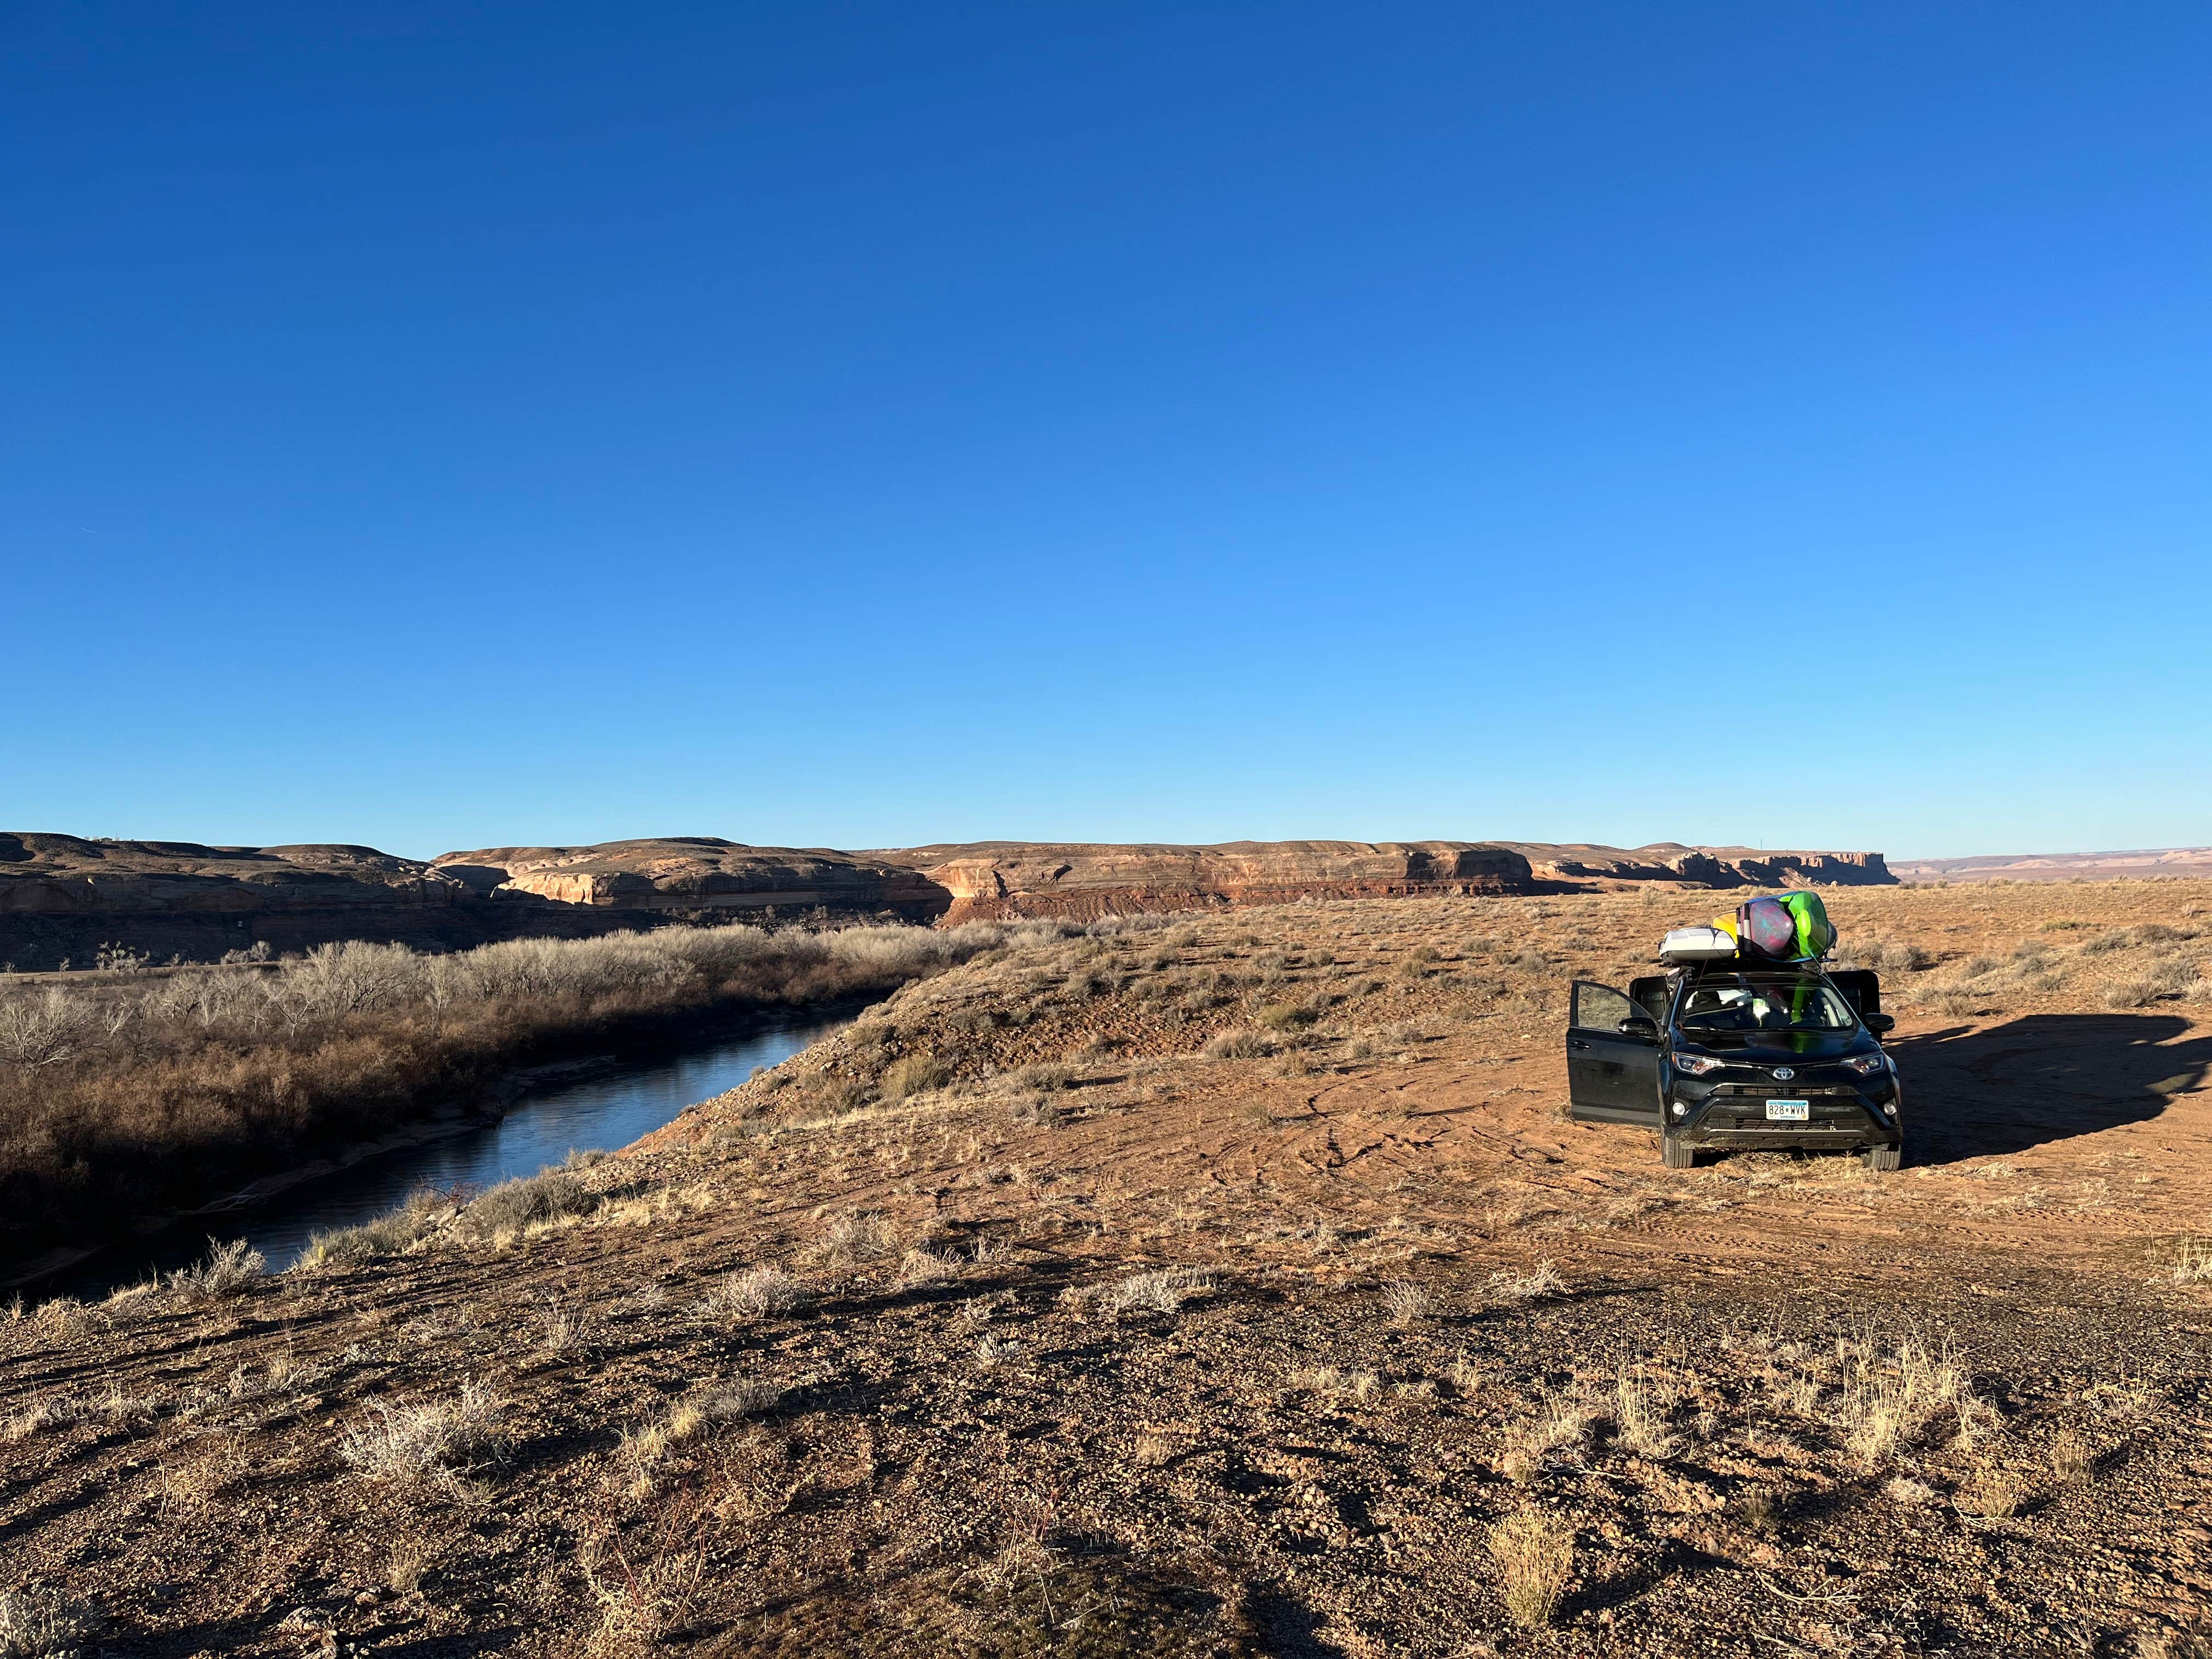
(1884,1158)
(1677,1153)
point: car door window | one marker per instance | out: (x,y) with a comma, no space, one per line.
(1599,1008)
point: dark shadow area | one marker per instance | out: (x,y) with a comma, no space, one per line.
(1287,1627)
(2041,1078)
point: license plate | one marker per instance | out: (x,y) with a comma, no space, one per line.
(1789,1111)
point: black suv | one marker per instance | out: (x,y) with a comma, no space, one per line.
(1727,1056)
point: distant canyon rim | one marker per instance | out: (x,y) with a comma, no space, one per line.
(66,899)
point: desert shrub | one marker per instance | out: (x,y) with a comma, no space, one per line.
(1239,1045)
(1285,1017)
(1163,1290)
(743,1296)
(2117,939)
(1890,956)
(227,1270)
(430,1440)
(916,1074)
(514,1204)
(2131,994)
(393,1233)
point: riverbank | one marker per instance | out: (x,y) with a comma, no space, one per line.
(533,1117)
(160,1098)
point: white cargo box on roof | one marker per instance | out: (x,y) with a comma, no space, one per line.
(1684,945)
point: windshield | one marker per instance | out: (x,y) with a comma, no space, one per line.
(1745,1002)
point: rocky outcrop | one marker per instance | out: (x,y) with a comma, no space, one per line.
(696,876)
(1702,867)
(2168,863)
(63,898)
(1084,881)
(63,875)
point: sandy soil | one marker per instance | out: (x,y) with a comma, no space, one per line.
(1228,1286)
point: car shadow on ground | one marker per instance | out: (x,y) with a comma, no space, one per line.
(2042,1078)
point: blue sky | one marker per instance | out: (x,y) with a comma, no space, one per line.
(444,425)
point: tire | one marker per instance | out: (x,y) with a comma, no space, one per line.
(1884,1159)
(1677,1153)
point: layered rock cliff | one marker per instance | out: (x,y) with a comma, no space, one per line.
(696,876)
(1704,866)
(1084,881)
(64,898)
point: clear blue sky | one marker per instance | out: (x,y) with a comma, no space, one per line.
(435,425)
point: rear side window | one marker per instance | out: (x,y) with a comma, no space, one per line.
(1599,1008)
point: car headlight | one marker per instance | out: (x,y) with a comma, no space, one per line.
(1696,1065)
(1867,1065)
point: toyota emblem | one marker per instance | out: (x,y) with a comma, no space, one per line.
(1784,1073)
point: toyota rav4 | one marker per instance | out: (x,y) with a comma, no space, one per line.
(1725,1057)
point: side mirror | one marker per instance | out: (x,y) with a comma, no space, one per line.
(1640,1026)
(1880,1024)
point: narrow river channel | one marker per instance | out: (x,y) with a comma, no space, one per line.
(612,1110)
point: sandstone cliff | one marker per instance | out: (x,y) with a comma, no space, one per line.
(696,876)
(64,898)
(1084,881)
(1704,866)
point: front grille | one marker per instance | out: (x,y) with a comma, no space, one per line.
(1784,1090)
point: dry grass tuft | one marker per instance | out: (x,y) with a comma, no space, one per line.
(228,1270)
(2071,1456)
(1405,1302)
(1162,1291)
(754,1293)
(1506,1289)
(2192,1262)
(1890,1394)
(394,1233)
(1153,1450)
(431,1441)
(1641,1404)
(1990,1493)
(1535,1554)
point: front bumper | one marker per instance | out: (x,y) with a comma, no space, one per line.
(1841,1117)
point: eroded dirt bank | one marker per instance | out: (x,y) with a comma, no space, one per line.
(1219,1287)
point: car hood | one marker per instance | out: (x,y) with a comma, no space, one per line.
(1777,1045)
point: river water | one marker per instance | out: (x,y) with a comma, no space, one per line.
(610,1110)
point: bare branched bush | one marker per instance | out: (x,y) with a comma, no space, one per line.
(43,1030)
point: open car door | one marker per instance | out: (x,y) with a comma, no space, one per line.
(1612,1077)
